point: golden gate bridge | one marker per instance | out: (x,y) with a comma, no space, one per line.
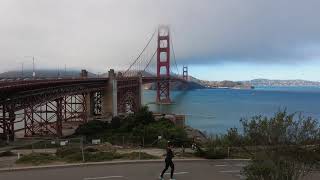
(42,106)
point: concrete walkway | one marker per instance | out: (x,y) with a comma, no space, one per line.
(135,170)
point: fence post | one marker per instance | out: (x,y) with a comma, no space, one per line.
(140,152)
(32,145)
(81,146)
(45,146)
(143,141)
(228,152)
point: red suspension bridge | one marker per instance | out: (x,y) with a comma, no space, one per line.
(42,106)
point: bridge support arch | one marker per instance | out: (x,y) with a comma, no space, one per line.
(45,113)
(7,120)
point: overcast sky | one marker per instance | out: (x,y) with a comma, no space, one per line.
(258,38)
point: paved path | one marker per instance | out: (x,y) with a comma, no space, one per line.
(202,170)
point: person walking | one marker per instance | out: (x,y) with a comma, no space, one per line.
(168,162)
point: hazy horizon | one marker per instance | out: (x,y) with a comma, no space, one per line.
(217,39)
(62,71)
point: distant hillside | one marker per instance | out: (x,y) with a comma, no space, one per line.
(226,84)
(193,84)
(177,86)
(268,82)
(42,73)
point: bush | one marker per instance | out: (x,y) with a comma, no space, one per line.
(135,123)
(134,128)
(37,159)
(75,157)
(2,143)
(167,130)
(92,128)
(212,153)
(285,146)
(216,153)
(259,170)
(67,151)
(135,156)
(7,153)
(90,149)
(162,143)
(101,156)
(115,122)
(90,154)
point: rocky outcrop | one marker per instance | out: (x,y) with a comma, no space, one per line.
(196,134)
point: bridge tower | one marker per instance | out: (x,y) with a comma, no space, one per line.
(163,65)
(185,73)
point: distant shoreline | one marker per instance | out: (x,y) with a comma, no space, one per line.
(251,87)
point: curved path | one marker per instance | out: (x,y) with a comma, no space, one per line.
(185,170)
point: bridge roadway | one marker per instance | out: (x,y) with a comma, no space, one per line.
(19,91)
(48,103)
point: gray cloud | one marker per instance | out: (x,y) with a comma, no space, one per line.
(101,34)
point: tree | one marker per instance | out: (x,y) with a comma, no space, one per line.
(116,122)
(283,147)
(144,116)
(92,128)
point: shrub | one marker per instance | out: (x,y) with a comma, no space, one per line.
(115,122)
(285,146)
(101,156)
(67,151)
(7,153)
(134,128)
(90,154)
(2,143)
(92,128)
(135,156)
(75,157)
(167,130)
(162,143)
(212,153)
(215,153)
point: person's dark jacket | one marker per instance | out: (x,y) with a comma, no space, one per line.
(170,154)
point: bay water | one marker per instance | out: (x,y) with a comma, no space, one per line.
(216,110)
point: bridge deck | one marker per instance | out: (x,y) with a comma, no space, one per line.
(20,89)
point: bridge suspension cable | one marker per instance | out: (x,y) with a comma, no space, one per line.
(145,62)
(174,56)
(143,50)
(155,52)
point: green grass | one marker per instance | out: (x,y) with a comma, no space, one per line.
(135,156)
(90,154)
(212,153)
(67,151)
(72,155)
(7,153)
(37,159)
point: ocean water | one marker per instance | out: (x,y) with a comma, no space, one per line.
(216,110)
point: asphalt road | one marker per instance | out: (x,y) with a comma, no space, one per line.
(201,170)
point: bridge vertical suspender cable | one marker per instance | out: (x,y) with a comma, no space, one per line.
(174,56)
(136,60)
(155,52)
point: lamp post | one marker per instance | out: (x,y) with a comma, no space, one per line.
(33,66)
(22,64)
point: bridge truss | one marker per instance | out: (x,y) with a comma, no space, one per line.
(44,106)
